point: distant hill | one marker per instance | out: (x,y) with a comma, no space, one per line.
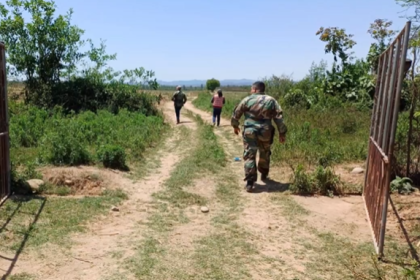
(197,83)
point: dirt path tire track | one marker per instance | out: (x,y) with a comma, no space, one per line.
(90,257)
(277,238)
(263,219)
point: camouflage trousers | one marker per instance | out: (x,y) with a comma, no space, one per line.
(257,140)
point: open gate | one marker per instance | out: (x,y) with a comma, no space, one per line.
(4,130)
(391,71)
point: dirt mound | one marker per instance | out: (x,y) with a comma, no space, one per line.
(78,182)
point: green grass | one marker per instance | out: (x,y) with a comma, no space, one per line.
(315,136)
(22,276)
(40,220)
(224,255)
(53,137)
(205,159)
(344,259)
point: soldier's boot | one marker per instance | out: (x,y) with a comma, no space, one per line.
(249,186)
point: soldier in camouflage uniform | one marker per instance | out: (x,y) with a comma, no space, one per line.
(179,98)
(259,109)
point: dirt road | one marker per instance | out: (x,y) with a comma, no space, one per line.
(160,232)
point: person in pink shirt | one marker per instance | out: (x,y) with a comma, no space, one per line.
(217,101)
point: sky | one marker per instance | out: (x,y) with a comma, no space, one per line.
(235,39)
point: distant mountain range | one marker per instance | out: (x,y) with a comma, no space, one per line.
(197,83)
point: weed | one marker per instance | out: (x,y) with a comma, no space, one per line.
(402,185)
(322,181)
(112,156)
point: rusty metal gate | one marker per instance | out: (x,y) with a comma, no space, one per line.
(4,130)
(391,71)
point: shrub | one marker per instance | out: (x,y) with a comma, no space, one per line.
(112,156)
(63,145)
(322,181)
(297,98)
(67,138)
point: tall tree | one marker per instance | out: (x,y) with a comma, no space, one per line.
(212,84)
(338,42)
(43,49)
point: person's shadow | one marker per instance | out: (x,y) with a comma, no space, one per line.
(271,186)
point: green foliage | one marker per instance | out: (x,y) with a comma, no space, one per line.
(401,144)
(379,30)
(278,86)
(62,145)
(112,156)
(402,185)
(212,84)
(60,138)
(323,137)
(338,42)
(329,132)
(322,181)
(46,50)
(43,50)
(296,98)
(346,80)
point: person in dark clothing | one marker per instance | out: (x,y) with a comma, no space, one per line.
(217,101)
(179,100)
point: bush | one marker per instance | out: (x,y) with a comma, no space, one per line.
(68,138)
(322,181)
(296,98)
(112,156)
(62,146)
(87,94)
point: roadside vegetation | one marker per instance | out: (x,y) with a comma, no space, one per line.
(68,108)
(328,112)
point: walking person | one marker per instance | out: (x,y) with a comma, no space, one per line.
(179,98)
(259,109)
(217,101)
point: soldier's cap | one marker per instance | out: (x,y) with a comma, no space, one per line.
(178,87)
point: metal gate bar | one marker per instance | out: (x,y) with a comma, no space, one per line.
(391,70)
(4,130)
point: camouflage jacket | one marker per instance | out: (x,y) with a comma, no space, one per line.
(179,98)
(259,109)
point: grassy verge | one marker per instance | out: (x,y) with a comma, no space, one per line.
(35,221)
(338,257)
(315,137)
(52,137)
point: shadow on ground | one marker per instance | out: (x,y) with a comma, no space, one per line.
(18,201)
(271,186)
(412,249)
